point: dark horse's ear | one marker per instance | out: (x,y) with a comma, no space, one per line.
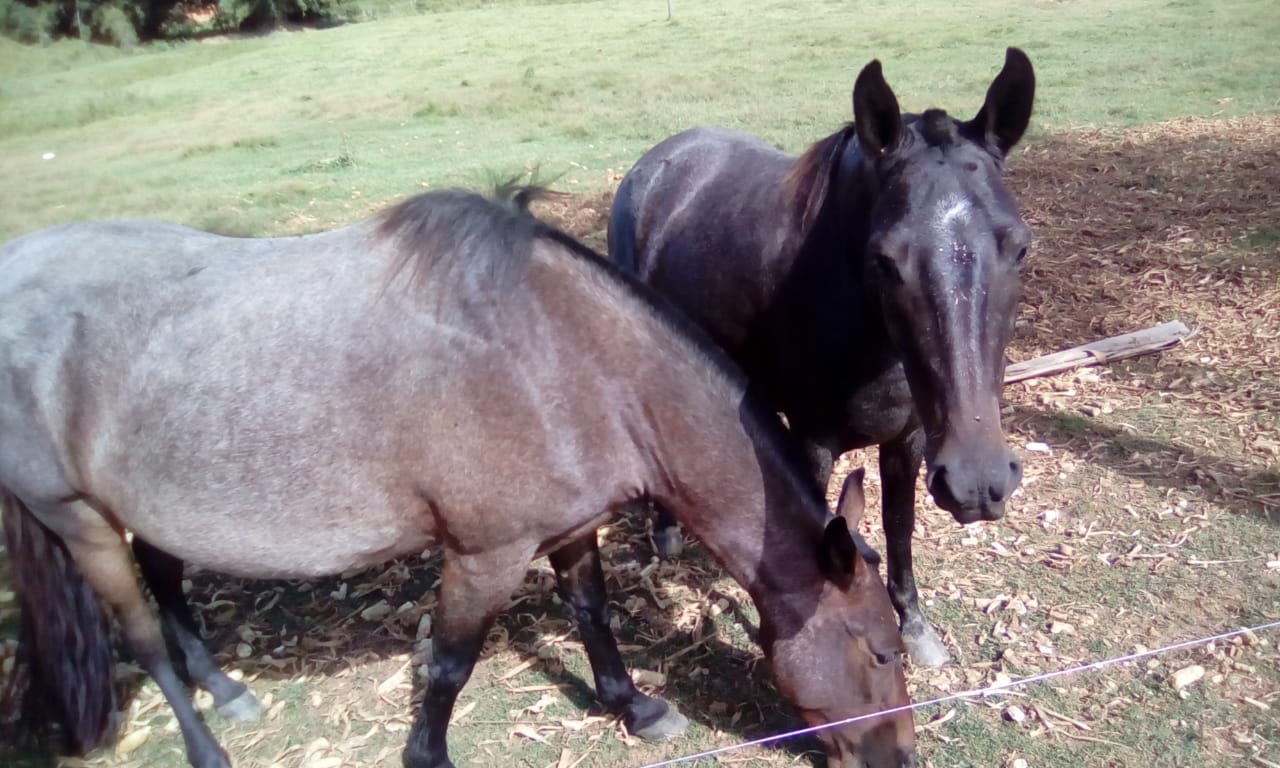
(852,505)
(853,500)
(1007,111)
(876,116)
(839,554)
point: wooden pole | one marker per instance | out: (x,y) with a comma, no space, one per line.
(670,11)
(1144,342)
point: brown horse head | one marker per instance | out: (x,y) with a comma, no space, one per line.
(847,661)
(944,250)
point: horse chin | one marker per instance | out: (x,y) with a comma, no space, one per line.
(964,514)
(844,756)
(888,744)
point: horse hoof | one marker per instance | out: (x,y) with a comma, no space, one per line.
(669,726)
(925,648)
(242,709)
(669,542)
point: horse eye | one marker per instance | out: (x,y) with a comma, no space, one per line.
(1022,254)
(887,268)
(885,659)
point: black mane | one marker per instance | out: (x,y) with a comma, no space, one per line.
(459,240)
(482,245)
(811,178)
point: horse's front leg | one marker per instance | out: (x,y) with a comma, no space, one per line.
(900,461)
(473,588)
(581,581)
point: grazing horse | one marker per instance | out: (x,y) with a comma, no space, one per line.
(867,287)
(450,374)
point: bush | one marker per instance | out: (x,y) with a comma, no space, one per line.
(30,23)
(126,22)
(111,24)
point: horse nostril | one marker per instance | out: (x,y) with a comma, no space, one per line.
(936,479)
(1015,468)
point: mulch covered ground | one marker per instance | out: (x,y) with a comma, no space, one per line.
(1147,462)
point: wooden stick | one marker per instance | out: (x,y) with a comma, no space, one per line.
(1144,342)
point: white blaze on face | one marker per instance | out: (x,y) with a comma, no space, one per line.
(950,212)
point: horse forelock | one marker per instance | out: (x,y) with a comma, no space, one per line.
(938,129)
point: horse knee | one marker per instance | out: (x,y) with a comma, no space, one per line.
(587,612)
(447,674)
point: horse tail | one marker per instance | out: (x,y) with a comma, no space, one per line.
(64,667)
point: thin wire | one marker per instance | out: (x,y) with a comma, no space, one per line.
(978,692)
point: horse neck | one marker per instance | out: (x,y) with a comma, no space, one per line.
(829,254)
(727,475)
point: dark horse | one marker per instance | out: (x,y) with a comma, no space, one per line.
(867,287)
(450,374)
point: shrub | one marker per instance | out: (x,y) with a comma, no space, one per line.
(112,24)
(38,23)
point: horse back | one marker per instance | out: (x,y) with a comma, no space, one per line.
(189,382)
(705,218)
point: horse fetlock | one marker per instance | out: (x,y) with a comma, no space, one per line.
(906,601)
(412,759)
(207,754)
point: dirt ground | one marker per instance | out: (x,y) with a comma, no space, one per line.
(1150,514)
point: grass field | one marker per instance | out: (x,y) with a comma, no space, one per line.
(298,131)
(1155,519)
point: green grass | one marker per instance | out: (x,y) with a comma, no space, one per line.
(205,132)
(303,131)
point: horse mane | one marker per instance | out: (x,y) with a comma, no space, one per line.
(808,182)
(458,240)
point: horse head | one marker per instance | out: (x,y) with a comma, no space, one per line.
(945,245)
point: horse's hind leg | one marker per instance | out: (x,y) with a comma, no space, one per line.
(473,588)
(667,538)
(162,574)
(103,558)
(581,580)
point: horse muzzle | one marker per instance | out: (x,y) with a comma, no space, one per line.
(898,758)
(973,482)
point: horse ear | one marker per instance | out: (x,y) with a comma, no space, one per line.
(876,116)
(853,500)
(839,554)
(851,507)
(842,553)
(1007,111)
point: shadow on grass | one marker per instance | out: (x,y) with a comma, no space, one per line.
(1241,488)
(302,629)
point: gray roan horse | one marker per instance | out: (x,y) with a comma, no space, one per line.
(449,374)
(867,287)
